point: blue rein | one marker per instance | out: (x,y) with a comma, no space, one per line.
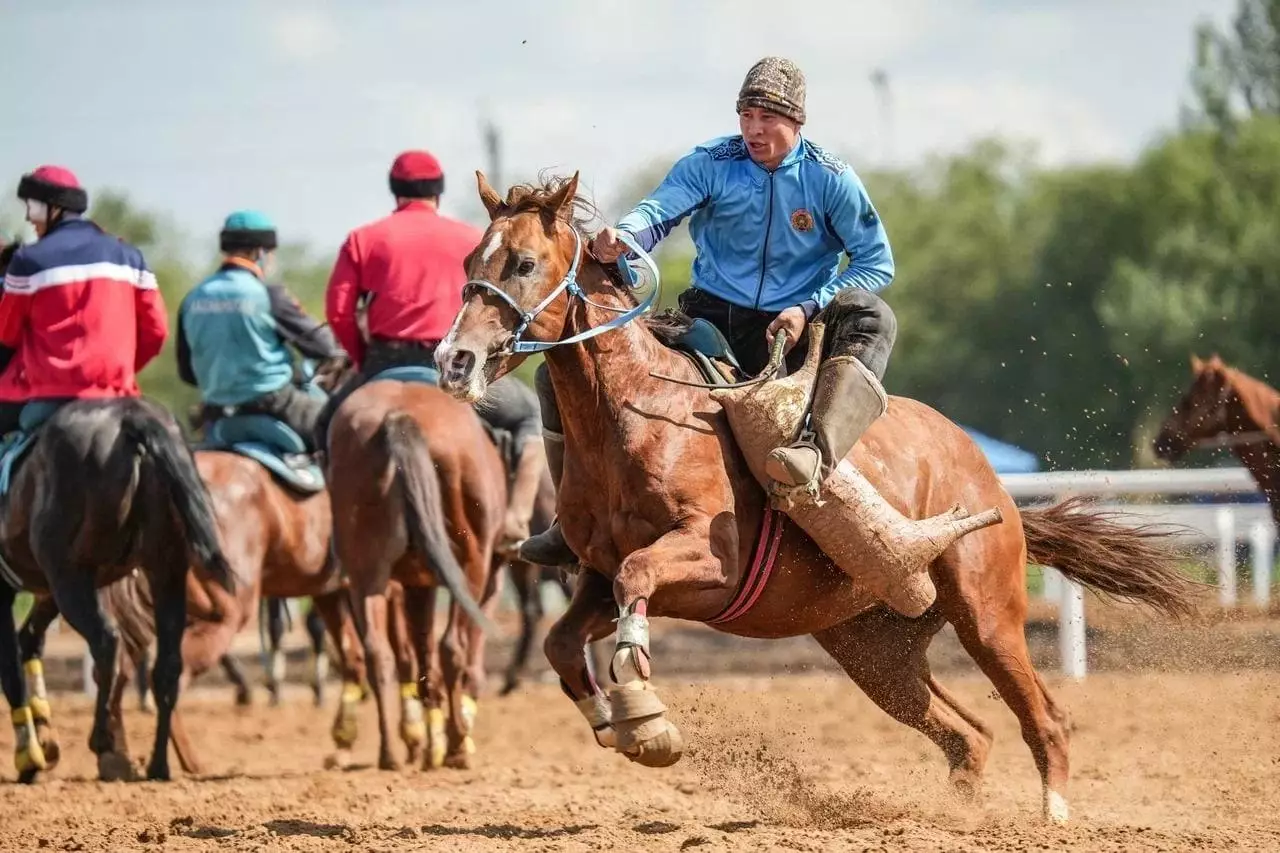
(569,285)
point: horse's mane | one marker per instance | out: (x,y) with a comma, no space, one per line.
(666,325)
(1260,400)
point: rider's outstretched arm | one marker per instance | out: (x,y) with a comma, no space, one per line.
(686,188)
(312,338)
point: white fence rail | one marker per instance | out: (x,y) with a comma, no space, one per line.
(1225,524)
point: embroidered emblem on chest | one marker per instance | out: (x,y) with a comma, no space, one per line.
(802,220)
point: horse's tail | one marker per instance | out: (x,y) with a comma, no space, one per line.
(424,511)
(1096,548)
(128,601)
(187,492)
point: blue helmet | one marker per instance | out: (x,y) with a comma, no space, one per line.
(248,229)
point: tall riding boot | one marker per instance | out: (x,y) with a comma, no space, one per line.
(549,548)
(847,398)
(524,491)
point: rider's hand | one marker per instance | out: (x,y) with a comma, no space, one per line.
(606,247)
(792,321)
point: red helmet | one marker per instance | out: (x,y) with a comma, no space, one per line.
(416,174)
(55,186)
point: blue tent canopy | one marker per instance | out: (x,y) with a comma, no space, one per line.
(1005,458)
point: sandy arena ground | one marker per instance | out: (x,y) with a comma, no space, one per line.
(1161,761)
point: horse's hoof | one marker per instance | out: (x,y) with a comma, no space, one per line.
(116,767)
(437,740)
(1056,810)
(244,699)
(339,760)
(458,760)
(158,773)
(416,753)
(965,785)
(28,776)
(659,750)
(386,762)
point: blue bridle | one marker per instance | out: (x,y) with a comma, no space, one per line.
(569,285)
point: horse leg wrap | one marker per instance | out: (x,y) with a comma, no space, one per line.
(437,740)
(413,728)
(644,734)
(38,694)
(277,669)
(595,708)
(631,650)
(345,726)
(470,708)
(320,671)
(28,755)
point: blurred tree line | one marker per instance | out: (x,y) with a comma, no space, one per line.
(1053,308)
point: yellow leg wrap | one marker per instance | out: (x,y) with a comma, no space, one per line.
(413,729)
(469,710)
(39,701)
(345,727)
(27,753)
(435,738)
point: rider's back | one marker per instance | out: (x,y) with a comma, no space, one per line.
(236,353)
(84,314)
(410,266)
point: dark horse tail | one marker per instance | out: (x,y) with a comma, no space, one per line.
(187,492)
(1093,547)
(424,511)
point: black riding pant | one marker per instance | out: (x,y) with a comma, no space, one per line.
(858,323)
(290,404)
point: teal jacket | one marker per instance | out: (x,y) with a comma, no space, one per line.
(234,337)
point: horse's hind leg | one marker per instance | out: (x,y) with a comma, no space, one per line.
(235,674)
(371,617)
(989,623)
(275,656)
(884,654)
(335,610)
(77,601)
(420,614)
(413,726)
(28,756)
(319,655)
(524,577)
(31,639)
(168,586)
(589,617)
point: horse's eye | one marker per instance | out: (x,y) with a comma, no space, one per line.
(525,267)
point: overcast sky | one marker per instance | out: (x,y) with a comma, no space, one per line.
(198,108)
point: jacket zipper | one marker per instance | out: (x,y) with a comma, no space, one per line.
(764,251)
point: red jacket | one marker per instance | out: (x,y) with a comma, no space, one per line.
(409,264)
(82,312)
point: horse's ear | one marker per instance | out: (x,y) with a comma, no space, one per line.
(488,195)
(563,197)
(1197,364)
(1215,361)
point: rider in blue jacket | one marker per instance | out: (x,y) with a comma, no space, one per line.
(770,214)
(235,333)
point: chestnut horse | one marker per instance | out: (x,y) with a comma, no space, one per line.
(419,494)
(1225,407)
(660,506)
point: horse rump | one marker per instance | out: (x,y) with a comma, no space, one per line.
(407,447)
(1113,556)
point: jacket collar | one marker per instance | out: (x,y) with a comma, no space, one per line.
(231,262)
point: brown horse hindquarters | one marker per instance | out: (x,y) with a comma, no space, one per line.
(419,495)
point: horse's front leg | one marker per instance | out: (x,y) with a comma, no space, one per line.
(684,557)
(589,617)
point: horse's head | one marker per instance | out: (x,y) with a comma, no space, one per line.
(1201,413)
(517,284)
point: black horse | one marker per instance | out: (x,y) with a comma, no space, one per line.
(108,486)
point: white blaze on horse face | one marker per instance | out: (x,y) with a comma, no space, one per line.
(495,243)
